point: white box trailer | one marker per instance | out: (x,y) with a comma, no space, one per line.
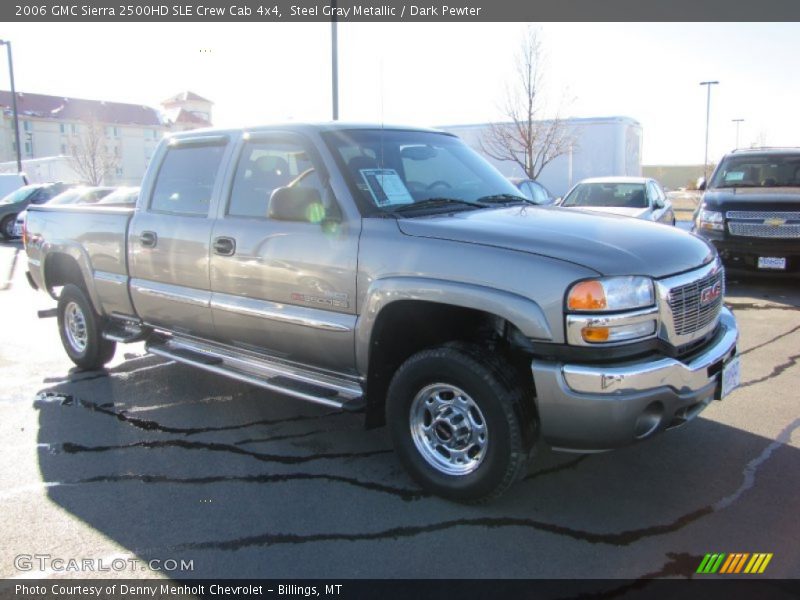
(603,146)
(44,170)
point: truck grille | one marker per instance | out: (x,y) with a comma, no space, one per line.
(689,311)
(743,224)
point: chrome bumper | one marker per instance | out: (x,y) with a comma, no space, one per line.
(595,408)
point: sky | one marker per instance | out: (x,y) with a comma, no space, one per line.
(436,73)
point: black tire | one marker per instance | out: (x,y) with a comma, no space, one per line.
(81,330)
(7,227)
(490,384)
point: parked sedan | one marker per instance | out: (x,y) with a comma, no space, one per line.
(73,195)
(82,195)
(122,196)
(637,197)
(19,199)
(533,190)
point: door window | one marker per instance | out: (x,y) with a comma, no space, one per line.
(265,166)
(185,180)
(537,193)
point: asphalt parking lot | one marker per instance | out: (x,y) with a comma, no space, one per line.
(156,461)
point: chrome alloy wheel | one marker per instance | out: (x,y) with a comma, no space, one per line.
(448,429)
(75,327)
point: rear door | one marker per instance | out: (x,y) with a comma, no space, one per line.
(283,280)
(168,239)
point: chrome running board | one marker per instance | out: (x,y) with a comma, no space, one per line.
(276,376)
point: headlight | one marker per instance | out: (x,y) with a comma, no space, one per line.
(710,219)
(621,309)
(611,294)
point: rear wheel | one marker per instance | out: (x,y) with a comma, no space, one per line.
(81,332)
(457,420)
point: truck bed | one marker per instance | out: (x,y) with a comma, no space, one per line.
(96,237)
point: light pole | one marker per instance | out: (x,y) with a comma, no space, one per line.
(708,85)
(7,44)
(334,63)
(737,121)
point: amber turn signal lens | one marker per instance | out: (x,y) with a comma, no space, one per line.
(595,334)
(587,295)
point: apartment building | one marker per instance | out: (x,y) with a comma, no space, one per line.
(53,129)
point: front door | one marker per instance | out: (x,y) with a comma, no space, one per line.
(283,258)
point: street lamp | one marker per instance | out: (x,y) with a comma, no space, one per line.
(737,121)
(7,44)
(334,63)
(708,85)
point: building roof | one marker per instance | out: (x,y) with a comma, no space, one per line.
(185,116)
(78,109)
(184,97)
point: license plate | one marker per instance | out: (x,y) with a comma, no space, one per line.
(730,377)
(772,262)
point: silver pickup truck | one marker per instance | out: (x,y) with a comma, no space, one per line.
(393,271)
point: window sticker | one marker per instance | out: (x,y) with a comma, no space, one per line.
(734,176)
(386,187)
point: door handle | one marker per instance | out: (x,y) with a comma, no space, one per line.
(148,239)
(224,246)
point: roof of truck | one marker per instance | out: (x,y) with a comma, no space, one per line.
(308,127)
(767,150)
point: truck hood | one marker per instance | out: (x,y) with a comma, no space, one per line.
(637,213)
(608,244)
(760,199)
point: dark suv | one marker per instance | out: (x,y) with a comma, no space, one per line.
(751,211)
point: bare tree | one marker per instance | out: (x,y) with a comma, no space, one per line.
(528,138)
(90,156)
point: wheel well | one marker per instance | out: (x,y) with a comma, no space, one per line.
(61,269)
(408,326)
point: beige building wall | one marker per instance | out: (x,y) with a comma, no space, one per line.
(40,138)
(46,142)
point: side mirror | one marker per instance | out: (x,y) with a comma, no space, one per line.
(701,184)
(296,203)
(558,201)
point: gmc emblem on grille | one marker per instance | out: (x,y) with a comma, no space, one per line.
(711,293)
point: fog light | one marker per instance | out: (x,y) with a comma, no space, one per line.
(649,420)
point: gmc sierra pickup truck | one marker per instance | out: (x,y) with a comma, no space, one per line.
(394,271)
(750,211)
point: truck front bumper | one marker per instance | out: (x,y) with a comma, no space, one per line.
(592,408)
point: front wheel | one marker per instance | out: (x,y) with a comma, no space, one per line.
(81,332)
(459,423)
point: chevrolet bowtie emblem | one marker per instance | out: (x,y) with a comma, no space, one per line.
(775,222)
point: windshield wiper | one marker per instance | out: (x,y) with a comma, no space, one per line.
(435,203)
(504,199)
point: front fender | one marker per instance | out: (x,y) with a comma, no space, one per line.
(523,312)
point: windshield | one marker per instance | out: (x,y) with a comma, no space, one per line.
(782,170)
(393,170)
(19,195)
(623,195)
